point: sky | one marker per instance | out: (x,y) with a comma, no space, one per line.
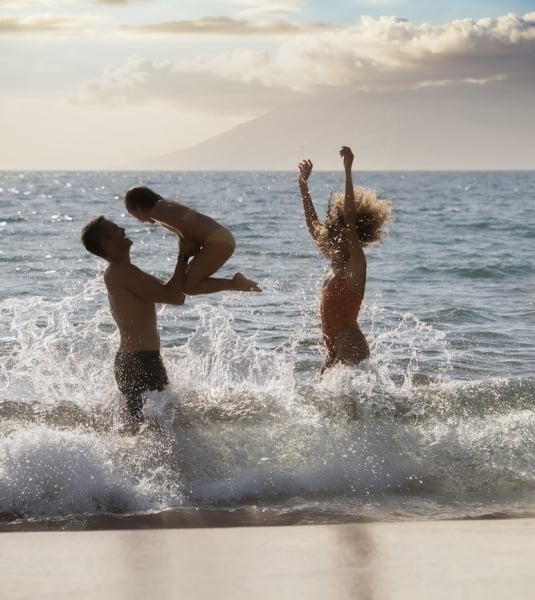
(97,84)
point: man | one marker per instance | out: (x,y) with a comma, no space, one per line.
(132,295)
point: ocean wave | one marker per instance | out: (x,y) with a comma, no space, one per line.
(348,437)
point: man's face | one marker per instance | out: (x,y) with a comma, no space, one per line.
(113,235)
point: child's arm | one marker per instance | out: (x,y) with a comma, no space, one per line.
(311,217)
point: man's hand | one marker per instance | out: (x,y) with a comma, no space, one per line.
(188,247)
(305,168)
(347,155)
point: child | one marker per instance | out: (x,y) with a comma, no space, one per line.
(350,226)
(209,243)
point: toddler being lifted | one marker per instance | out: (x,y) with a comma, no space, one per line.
(204,240)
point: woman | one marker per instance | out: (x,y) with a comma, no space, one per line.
(354,220)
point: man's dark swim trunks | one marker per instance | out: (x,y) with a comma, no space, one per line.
(136,373)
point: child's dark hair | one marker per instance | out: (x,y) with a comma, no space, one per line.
(141,198)
(91,236)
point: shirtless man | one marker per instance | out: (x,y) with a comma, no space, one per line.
(132,295)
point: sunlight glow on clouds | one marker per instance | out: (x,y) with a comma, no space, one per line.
(383,53)
(224,26)
(23,3)
(270,6)
(84,80)
(191,86)
(46,24)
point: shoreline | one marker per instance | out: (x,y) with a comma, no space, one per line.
(222,518)
(477,559)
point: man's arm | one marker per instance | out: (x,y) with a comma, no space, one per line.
(146,286)
(175,285)
(188,248)
(311,217)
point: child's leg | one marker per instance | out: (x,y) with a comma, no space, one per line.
(211,258)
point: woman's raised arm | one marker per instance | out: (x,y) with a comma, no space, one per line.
(311,217)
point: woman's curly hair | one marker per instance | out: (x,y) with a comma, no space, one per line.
(372,214)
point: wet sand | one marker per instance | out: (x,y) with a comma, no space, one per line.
(487,560)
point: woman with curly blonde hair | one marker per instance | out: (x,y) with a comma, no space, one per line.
(354,221)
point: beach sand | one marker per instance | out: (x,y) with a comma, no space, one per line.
(484,559)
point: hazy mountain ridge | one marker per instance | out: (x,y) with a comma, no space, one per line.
(454,127)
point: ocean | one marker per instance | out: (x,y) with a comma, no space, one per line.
(438,424)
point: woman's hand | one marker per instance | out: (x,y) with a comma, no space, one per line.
(347,155)
(305,168)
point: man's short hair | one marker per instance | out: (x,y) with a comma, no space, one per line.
(91,236)
(141,198)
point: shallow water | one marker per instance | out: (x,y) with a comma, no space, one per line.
(438,424)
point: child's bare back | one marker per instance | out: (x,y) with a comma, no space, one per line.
(185,221)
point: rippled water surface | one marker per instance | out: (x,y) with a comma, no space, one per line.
(438,424)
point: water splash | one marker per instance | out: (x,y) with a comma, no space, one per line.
(243,423)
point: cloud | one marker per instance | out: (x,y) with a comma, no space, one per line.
(256,6)
(185,86)
(44,24)
(375,54)
(225,26)
(22,3)
(119,2)
(390,52)
(271,6)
